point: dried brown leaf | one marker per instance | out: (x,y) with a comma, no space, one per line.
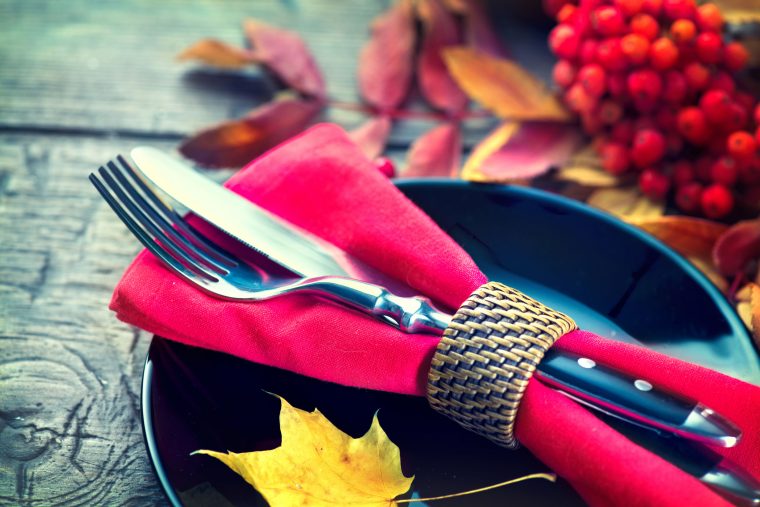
(287,56)
(234,143)
(503,86)
(217,53)
(738,247)
(626,202)
(748,308)
(708,269)
(689,236)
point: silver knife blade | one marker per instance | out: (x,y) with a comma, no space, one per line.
(286,244)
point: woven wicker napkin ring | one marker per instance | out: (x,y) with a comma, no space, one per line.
(486,357)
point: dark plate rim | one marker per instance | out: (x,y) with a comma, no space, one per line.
(524,192)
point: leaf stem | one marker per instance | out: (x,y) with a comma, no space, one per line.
(548,477)
(408,114)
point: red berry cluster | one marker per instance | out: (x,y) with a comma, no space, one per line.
(653,81)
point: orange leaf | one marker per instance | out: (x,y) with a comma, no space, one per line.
(739,246)
(502,86)
(440,32)
(217,53)
(688,236)
(386,61)
(626,202)
(372,135)
(436,153)
(285,54)
(518,151)
(235,143)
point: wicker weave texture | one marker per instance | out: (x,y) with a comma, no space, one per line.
(487,356)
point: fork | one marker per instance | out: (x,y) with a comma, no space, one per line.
(186,252)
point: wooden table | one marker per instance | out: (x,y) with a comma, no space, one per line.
(81,81)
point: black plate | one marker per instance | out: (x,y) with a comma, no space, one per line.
(612,278)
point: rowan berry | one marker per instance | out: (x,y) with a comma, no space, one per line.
(724,171)
(756,114)
(587,51)
(563,73)
(735,56)
(646,26)
(741,145)
(688,197)
(654,184)
(674,87)
(674,143)
(622,132)
(749,173)
(615,157)
(652,7)
(663,54)
(552,7)
(716,201)
(665,119)
(578,99)
(677,9)
(709,18)
(648,148)
(692,124)
(629,7)
(644,85)
(683,172)
(616,84)
(567,14)
(736,118)
(591,122)
(610,55)
(722,81)
(643,122)
(385,166)
(610,112)
(709,47)
(608,21)
(697,76)
(746,100)
(757,135)
(593,79)
(715,104)
(683,31)
(564,41)
(635,47)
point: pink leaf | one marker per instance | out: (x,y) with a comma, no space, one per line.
(372,135)
(285,54)
(385,63)
(479,32)
(440,31)
(436,153)
(518,151)
(235,143)
(739,246)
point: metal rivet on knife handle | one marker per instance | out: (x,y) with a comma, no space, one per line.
(486,357)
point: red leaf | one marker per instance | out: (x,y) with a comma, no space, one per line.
(479,32)
(217,53)
(436,153)
(385,63)
(440,31)
(287,56)
(372,135)
(235,143)
(521,151)
(739,246)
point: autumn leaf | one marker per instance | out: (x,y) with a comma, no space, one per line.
(478,30)
(502,86)
(739,11)
(688,236)
(319,465)
(584,167)
(372,135)
(519,151)
(217,53)
(286,55)
(748,308)
(235,143)
(435,153)
(739,246)
(626,202)
(386,61)
(439,32)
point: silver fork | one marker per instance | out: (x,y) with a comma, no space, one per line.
(185,251)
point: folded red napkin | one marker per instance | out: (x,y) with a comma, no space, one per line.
(321,181)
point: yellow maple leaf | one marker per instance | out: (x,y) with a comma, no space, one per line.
(319,465)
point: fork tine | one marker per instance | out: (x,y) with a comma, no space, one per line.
(195,238)
(144,238)
(137,214)
(163,226)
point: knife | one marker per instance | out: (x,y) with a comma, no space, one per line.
(600,387)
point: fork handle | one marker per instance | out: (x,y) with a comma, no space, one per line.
(413,314)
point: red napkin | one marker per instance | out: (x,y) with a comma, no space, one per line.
(321,181)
